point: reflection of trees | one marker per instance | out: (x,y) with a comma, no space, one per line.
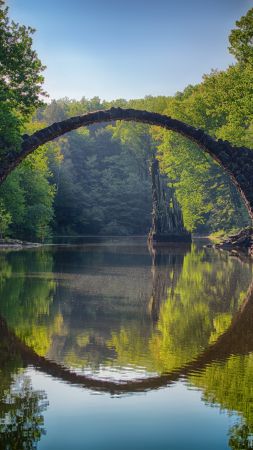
(21,419)
(228,381)
(21,407)
(197,309)
(167,263)
(26,297)
(191,304)
(240,437)
(229,384)
(5,270)
(22,302)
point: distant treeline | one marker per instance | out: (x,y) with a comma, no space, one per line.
(96,180)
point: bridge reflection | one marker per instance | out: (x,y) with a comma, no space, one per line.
(238,339)
(167,278)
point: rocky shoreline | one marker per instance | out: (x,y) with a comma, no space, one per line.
(17,244)
(241,242)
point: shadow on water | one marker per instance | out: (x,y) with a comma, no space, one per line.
(178,314)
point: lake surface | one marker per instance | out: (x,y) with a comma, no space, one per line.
(110,345)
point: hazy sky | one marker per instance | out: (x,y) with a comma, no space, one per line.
(128,48)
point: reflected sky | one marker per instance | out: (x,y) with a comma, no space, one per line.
(172,417)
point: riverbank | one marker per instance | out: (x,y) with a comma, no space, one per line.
(17,244)
(241,241)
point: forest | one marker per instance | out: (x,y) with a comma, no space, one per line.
(96,180)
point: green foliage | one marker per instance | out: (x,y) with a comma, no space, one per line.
(20,79)
(220,235)
(102,182)
(10,129)
(20,76)
(5,220)
(222,106)
(101,174)
(28,197)
(241,39)
(104,166)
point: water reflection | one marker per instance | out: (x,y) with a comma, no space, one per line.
(100,309)
(116,318)
(21,418)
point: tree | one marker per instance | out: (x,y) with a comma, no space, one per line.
(26,197)
(5,220)
(20,68)
(241,39)
(20,79)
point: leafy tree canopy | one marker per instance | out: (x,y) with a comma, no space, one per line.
(20,68)
(20,79)
(241,39)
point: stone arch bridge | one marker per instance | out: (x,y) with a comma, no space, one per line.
(236,161)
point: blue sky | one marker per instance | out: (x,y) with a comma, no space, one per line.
(128,48)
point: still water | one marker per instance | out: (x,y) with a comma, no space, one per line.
(107,345)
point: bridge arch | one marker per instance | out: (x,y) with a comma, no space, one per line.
(236,161)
